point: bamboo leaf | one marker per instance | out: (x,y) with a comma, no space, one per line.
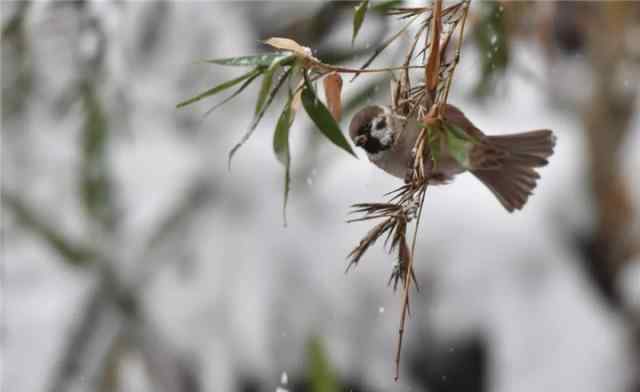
(263,60)
(458,147)
(281,149)
(219,88)
(235,94)
(321,117)
(267,80)
(258,116)
(459,132)
(433,138)
(358,17)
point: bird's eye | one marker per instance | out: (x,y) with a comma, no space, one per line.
(382,124)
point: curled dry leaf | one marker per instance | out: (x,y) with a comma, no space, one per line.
(300,51)
(332,92)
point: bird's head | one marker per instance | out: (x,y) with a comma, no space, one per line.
(371,129)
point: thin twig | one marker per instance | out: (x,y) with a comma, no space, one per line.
(384,45)
(432,65)
(359,70)
(457,56)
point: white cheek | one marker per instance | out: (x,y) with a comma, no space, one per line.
(384,135)
(387,138)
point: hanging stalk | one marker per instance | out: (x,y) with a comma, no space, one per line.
(407,282)
(429,111)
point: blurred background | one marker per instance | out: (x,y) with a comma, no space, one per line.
(132,260)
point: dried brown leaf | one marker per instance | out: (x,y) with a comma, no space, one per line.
(399,273)
(371,237)
(433,63)
(332,91)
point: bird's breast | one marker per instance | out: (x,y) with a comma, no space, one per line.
(399,158)
(391,161)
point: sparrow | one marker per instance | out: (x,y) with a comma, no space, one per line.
(504,163)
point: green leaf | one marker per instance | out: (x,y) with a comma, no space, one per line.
(263,60)
(220,87)
(321,374)
(358,18)
(320,116)
(281,149)
(491,37)
(434,144)
(457,146)
(96,184)
(460,133)
(267,80)
(235,94)
(259,116)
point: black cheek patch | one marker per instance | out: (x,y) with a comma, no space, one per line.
(373,146)
(382,124)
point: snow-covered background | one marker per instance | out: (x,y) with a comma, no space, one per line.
(235,292)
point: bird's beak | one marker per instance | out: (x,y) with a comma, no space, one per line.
(360,140)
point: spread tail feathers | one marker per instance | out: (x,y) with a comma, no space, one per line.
(514,178)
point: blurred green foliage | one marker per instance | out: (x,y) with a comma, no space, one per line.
(491,39)
(320,372)
(95,181)
(73,253)
(16,56)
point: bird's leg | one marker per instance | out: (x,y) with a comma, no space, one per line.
(408,177)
